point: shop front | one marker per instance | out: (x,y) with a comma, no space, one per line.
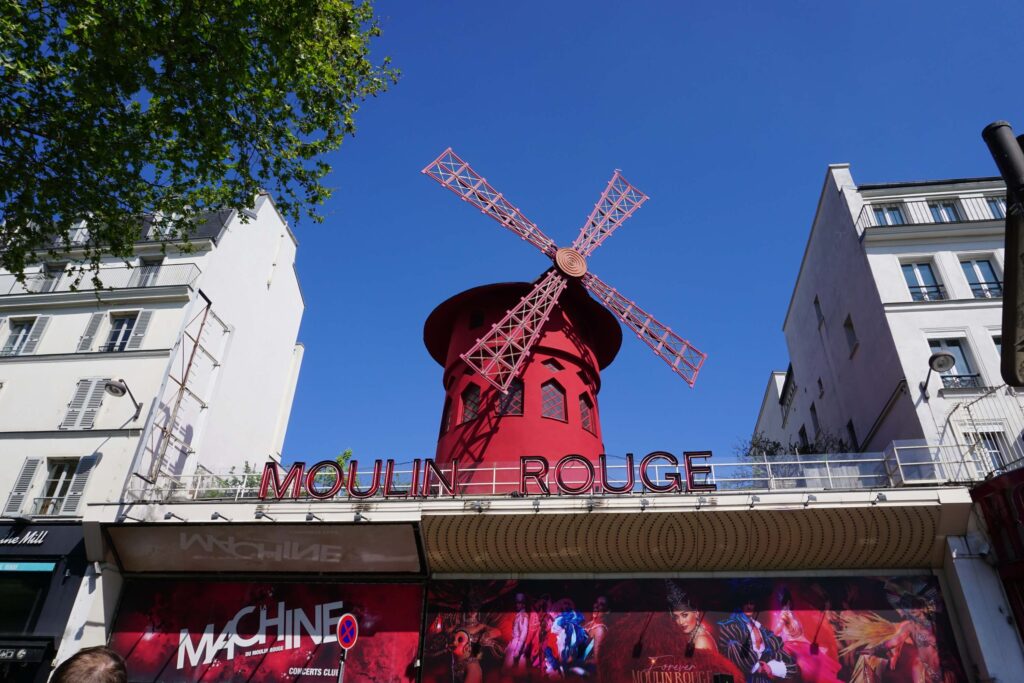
(269,602)
(41,569)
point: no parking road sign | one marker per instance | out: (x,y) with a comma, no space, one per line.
(348,631)
(348,634)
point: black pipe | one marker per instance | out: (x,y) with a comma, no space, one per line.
(1009,157)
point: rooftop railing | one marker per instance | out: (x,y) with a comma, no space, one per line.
(900,466)
(885,215)
(115,277)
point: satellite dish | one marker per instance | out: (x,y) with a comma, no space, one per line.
(942,361)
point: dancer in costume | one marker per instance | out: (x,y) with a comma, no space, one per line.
(813,661)
(596,628)
(516,655)
(465,658)
(753,647)
(689,620)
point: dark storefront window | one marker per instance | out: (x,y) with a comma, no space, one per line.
(21,595)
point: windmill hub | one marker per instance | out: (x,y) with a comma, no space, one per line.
(571,262)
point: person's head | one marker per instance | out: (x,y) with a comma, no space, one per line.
(92,665)
(520,602)
(684,613)
(600,605)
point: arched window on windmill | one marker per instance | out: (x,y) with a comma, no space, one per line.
(512,402)
(470,402)
(552,400)
(587,413)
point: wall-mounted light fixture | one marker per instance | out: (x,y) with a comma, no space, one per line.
(310,517)
(879,498)
(811,498)
(536,504)
(118,388)
(260,514)
(217,515)
(754,499)
(939,362)
(644,504)
(171,515)
(360,517)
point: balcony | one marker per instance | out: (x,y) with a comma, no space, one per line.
(928,293)
(961,382)
(118,277)
(987,290)
(892,215)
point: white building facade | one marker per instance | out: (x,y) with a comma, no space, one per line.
(891,275)
(200,343)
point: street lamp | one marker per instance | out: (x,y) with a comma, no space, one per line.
(118,388)
(940,362)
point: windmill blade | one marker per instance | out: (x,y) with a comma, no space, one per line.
(684,360)
(455,174)
(499,355)
(617,203)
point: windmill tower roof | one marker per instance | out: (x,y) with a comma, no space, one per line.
(603,334)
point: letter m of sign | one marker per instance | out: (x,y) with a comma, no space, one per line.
(271,480)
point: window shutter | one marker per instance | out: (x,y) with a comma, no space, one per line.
(88,339)
(35,334)
(92,404)
(139,331)
(73,501)
(85,403)
(22,485)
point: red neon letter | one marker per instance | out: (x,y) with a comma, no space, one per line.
(538,476)
(674,477)
(429,467)
(588,483)
(353,468)
(311,480)
(271,479)
(630,477)
(389,475)
(692,469)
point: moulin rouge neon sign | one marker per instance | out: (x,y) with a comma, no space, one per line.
(571,475)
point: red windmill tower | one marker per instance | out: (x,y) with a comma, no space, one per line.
(528,385)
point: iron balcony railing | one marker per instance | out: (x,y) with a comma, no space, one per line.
(893,215)
(115,277)
(987,290)
(928,293)
(897,467)
(961,381)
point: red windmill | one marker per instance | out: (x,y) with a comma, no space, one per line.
(499,355)
(547,407)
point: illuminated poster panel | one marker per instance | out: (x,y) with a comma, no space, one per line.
(171,631)
(764,630)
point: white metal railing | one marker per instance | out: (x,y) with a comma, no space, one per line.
(115,277)
(898,466)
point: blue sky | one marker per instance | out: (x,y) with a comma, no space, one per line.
(726,114)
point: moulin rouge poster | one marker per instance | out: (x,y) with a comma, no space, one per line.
(799,630)
(172,631)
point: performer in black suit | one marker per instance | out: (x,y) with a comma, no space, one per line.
(752,647)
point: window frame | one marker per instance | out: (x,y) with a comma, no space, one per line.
(937,344)
(882,214)
(506,401)
(110,345)
(587,416)
(544,403)
(463,419)
(938,208)
(850,332)
(985,289)
(997,207)
(50,503)
(15,349)
(917,267)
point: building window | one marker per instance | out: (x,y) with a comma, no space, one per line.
(982,277)
(470,402)
(552,365)
(990,449)
(961,375)
(24,335)
(997,205)
(998,341)
(121,327)
(818,313)
(17,337)
(851,335)
(788,394)
(851,434)
(512,402)
(814,421)
(446,416)
(922,283)
(805,444)
(888,215)
(821,388)
(552,401)
(586,413)
(85,403)
(55,490)
(146,273)
(944,212)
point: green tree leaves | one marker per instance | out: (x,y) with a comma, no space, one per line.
(112,109)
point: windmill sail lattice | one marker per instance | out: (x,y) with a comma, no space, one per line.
(499,355)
